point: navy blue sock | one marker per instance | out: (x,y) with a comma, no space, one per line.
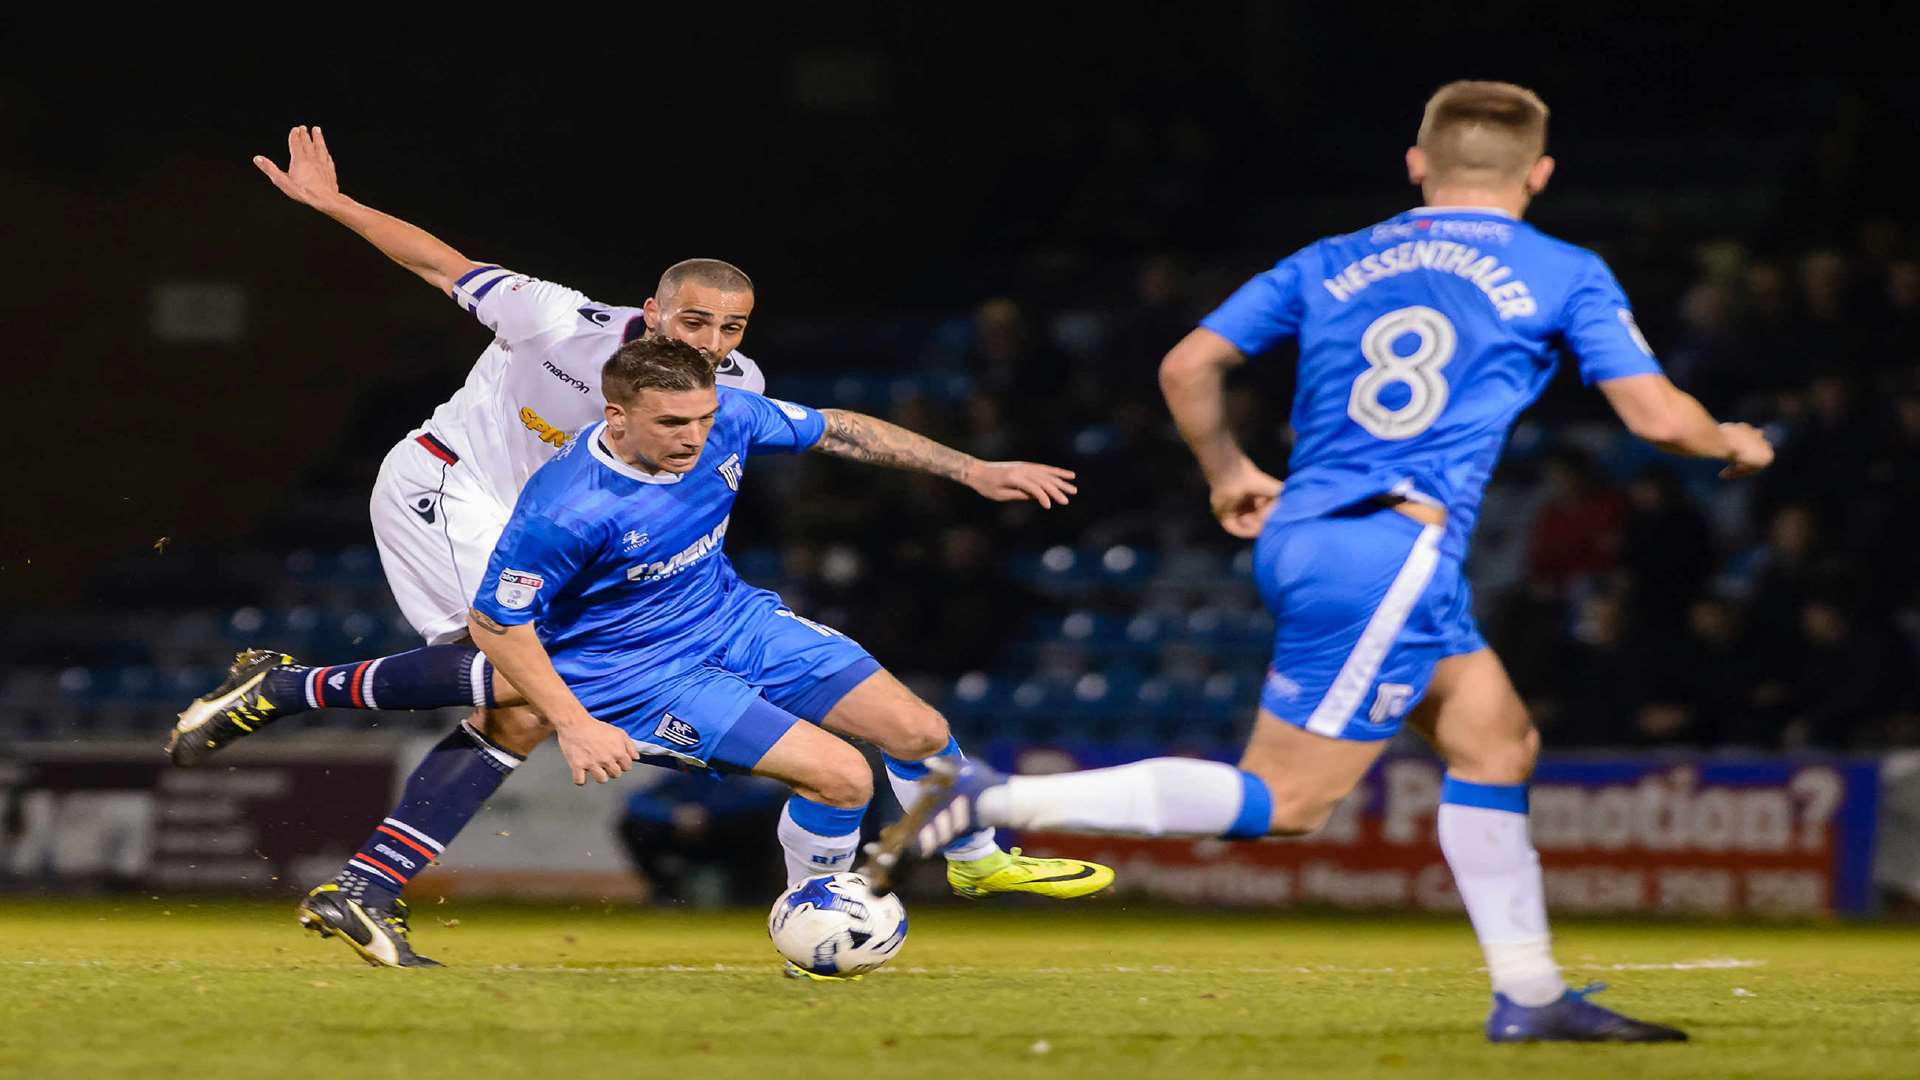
(431,678)
(446,789)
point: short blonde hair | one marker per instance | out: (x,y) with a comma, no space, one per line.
(1494,129)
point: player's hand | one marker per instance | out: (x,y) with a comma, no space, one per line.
(596,749)
(1012,481)
(309,177)
(1751,450)
(1243,500)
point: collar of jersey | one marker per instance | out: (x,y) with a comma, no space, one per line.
(1494,210)
(592,436)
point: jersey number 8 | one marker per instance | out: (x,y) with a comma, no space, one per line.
(1419,371)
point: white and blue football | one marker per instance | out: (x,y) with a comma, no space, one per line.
(836,924)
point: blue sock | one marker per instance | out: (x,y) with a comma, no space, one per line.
(1256,809)
(446,789)
(905,776)
(431,678)
(817,838)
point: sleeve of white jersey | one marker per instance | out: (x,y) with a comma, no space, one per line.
(741,373)
(514,306)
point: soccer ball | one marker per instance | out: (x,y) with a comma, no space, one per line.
(837,925)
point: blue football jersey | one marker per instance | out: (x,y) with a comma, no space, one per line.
(621,568)
(1421,339)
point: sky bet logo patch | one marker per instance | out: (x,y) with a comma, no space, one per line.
(677,731)
(517,588)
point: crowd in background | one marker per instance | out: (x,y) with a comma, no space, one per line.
(1637,599)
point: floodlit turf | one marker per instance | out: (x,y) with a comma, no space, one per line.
(138,987)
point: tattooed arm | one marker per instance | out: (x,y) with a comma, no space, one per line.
(872,440)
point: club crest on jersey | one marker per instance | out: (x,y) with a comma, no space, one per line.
(517,588)
(1633,331)
(731,470)
(677,731)
(633,541)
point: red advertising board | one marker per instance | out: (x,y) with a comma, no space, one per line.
(1615,834)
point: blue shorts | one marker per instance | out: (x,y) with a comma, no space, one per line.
(723,708)
(1365,604)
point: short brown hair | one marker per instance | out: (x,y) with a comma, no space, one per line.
(654,363)
(1495,129)
(712,273)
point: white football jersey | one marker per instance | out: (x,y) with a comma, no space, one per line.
(539,382)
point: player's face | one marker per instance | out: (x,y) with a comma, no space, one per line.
(665,428)
(709,319)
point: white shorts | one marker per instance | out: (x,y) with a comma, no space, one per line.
(436,529)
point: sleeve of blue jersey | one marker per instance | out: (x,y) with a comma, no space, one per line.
(775,426)
(1600,329)
(533,560)
(1262,313)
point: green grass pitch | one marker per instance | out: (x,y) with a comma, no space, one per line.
(172,988)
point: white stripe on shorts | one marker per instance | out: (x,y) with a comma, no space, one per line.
(1363,663)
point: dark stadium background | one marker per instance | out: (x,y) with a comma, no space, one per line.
(988,224)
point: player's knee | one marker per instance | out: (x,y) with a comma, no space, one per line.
(1506,760)
(922,734)
(1298,816)
(845,780)
(516,729)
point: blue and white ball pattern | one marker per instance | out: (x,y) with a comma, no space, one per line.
(837,925)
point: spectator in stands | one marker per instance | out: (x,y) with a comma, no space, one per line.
(1848,677)
(1666,553)
(1577,533)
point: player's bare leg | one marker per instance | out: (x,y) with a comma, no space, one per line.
(1306,774)
(1477,722)
(881,710)
(824,772)
(1287,783)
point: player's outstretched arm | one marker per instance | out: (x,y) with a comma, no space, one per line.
(1193,380)
(1673,420)
(309,179)
(870,439)
(592,747)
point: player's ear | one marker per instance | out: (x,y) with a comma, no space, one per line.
(650,311)
(1416,166)
(616,417)
(1538,176)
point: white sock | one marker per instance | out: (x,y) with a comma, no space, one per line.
(1156,797)
(1498,874)
(809,853)
(974,845)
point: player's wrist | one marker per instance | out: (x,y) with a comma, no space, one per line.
(569,719)
(1229,470)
